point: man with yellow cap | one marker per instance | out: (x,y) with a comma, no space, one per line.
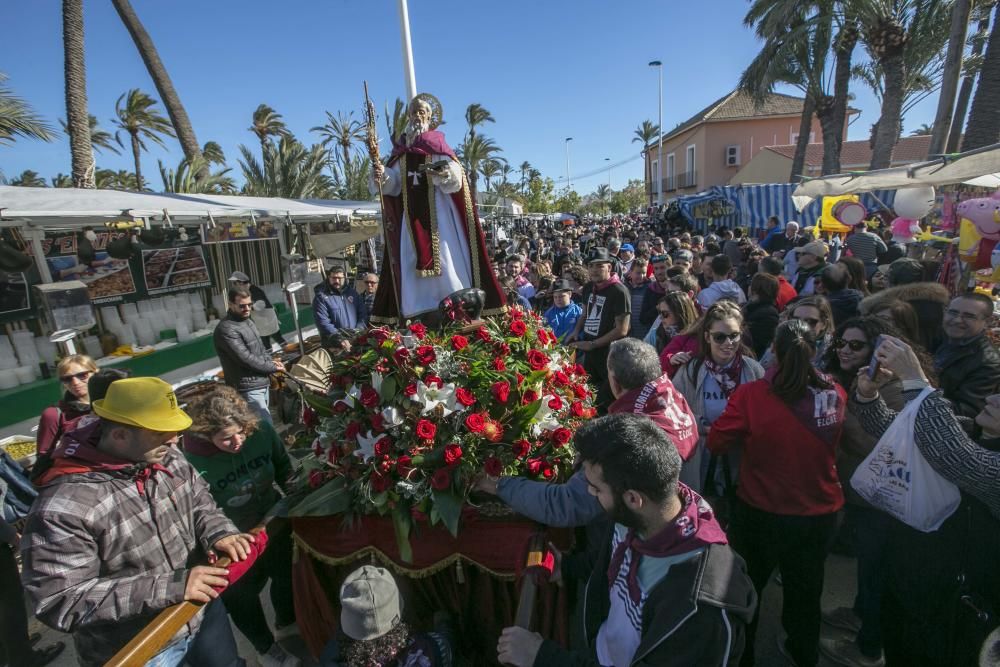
(120,518)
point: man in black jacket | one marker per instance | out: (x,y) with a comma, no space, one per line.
(665,589)
(246,365)
(967,363)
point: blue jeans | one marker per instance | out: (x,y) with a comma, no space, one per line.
(213,646)
(259,400)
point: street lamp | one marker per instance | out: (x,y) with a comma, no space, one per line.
(290,290)
(659,150)
(608,160)
(569,182)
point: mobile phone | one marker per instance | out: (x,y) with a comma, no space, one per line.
(873,364)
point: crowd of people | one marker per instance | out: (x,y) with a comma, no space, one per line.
(740,382)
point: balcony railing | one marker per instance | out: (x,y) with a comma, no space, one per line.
(682,181)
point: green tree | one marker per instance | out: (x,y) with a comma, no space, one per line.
(539,196)
(568,202)
(603,195)
(490,169)
(970,70)
(525,168)
(62,181)
(473,153)
(645,134)
(29,179)
(341,130)
(179,120)
(18,119)
(213,154)
(983,128)
(267,123)
(476,115)
(351,182)
(109,179)
(287,169)
(196,178)
(142,122)
(77,118)
(100,140)
(630,198)
(923,131)
(395,122)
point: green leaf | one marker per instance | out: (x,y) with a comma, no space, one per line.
(389,389)
(401,524)
(332,498)
(321,404)
(449,507)
(523,416)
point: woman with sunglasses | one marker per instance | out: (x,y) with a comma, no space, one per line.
(676,312)
(73,372)
(708,379)
(788,425)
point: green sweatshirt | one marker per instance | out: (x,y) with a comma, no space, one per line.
(243,484)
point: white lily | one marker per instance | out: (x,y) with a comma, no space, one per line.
(377,379)
(430,397)
(392,416)
(544,416)
(366,445)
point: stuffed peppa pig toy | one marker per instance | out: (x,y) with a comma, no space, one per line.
(984,214)
(910,205)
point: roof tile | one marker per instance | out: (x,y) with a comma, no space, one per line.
(859,153)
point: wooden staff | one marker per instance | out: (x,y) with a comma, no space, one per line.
(529,589)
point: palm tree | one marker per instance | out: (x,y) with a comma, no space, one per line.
(603,194)
(158,72)
(77,118)
(267,123)
(29,179)
(474,152)
(505,170)
(525,168)
(62,181)
(138,118)
(970,69)
(286,170)
(343,131)
(952,71)
(351,182)
(923,131)
(984,126)
(899,35)
(395,123)
(476,115)
(99,139)
(212,153)
(187,179)
(645,134)
(490,169)
(17,118)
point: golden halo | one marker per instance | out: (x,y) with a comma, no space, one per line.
(437,112)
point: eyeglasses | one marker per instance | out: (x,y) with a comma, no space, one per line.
(243,306)
(83,375)
(812,322)
(371,282)
(721,338)
(957,314)
(855,345)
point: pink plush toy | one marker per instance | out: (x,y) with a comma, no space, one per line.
(984,214)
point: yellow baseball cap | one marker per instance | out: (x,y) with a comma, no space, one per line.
(148,403)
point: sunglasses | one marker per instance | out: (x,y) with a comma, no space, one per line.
(812,322)
(855,345)
(83,375)
(371,282)
(664,313)
(721,338)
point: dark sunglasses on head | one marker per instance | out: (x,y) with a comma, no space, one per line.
(82,375)
(721,338)
(855,345)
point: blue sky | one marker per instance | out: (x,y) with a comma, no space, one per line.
(546,69)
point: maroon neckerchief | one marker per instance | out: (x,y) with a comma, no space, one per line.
(728,377)
(600,287)
(695,527)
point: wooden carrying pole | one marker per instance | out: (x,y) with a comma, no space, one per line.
(151,640)
(529,589)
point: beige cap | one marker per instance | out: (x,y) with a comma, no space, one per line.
(816,248)
(369,603)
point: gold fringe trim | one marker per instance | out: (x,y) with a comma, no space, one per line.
(472,223)
(380,556)
(379,319)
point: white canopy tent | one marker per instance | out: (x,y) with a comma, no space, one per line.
(946,170)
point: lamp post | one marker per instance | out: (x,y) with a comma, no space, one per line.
(659,149)
(290,290)
(569,183)
(608,160)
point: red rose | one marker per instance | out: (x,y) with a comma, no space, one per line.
(425,354)
(555,403)
(352,430)
(520,379)
(309,417)
(534,467)
(417,515)
(380,482)
(483,335)
(503,349)
(377,421)
(518,327)
(521,448)
(548,472)
(382,446)
(560,378)
(433,380)
(441,479)
(493,467)
(402,355)
(426,429)
(537,360)
(465,397)
(501,391)
(411,389)
(516,313)
(498,364)
(544,337)
(316,479)
(340,407)
(452,453)
(380,335)
(404,464)
(561,436)
(577,409)
(369,397)
(475,422)
(580,391)
(530,396)
(459,342)
(418,330)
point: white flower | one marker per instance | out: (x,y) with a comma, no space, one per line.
(352,397)
(545,416)
(430,397)
(392,416)
(377,379)
(366,446)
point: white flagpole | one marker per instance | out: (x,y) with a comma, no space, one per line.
(409,73)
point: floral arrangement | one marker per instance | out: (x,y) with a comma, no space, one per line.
(415,416)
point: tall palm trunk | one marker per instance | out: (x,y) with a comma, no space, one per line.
(135,156)
(952,70)
(833,136)
(984,120)
(77,117)
(147,50)
(805,126)
(345,148)
(649,175)
(890,123)
(965,92)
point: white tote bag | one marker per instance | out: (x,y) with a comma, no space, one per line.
(897,479)
(265,319)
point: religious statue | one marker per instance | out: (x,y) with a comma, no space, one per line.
(430,222)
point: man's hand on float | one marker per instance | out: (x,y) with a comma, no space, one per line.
(571,338)
(200,582)
(518,647)
(345,345)
(237,547)
(486,484)
(556,576)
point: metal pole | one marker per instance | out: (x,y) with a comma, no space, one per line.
(408,71)
(659,148)
(608,160)
(569,182)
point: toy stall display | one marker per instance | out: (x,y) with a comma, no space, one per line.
(910,205)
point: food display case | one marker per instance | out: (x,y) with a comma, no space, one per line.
(65,305)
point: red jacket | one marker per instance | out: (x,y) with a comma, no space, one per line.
(785,293)
(788,463)
(666,406)
(679,343)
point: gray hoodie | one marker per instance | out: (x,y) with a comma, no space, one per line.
(720,289)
